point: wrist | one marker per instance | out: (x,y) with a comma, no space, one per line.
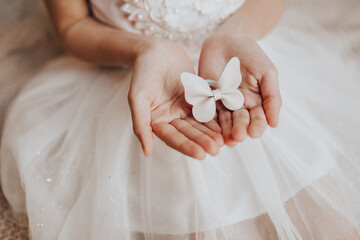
(158,49)
(148,44)
(226,36)
(223,42)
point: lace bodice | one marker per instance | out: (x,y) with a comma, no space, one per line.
(183,21)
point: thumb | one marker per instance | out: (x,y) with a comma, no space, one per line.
(141,118)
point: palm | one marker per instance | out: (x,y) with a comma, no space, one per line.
(259,86)
(236,125)
(158,105)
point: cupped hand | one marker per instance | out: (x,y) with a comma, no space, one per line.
(157,103)
(259,86)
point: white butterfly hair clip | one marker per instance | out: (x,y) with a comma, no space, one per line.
(199,94)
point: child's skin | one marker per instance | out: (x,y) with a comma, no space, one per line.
(156,94)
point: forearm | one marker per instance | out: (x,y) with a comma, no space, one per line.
(103,45)
(92,41)
(255,18)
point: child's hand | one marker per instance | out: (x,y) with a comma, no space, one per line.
(157,103)
(260,85)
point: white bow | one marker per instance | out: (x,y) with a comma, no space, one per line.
(199,94)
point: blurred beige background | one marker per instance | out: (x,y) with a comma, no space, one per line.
(22,53)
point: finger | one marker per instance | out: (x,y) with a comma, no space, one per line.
(176,140)
(215,135)
(226,123)
(141,118)
(258,122)
(189,131)
(270,92)
(213,125)
(241,121)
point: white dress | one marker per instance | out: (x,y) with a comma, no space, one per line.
(72,168)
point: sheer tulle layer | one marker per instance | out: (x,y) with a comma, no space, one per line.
(70,161)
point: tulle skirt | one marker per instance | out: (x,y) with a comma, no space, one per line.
(72,168)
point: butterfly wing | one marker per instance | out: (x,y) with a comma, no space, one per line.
(231,76)
(198,93)
(229,83)
(204,111)
(233,100)
(196,88)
